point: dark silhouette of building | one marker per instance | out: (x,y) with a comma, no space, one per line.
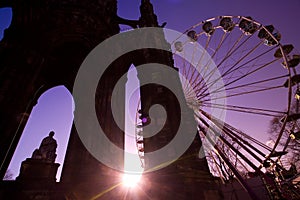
(44,47)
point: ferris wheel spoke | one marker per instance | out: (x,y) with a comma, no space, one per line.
(221,166)
(230,68)
(236,135)
(257,84)
(228,54)
(241,93)
(246,136)
(233,49)
(258,68)
(233,69)
(224,36)
(207,136)
(193,79)
(204,68)
(242,164)
(255,153)
(187,72)
(218,167)
(203,94)
(258,111)
(249,61)
(224,59)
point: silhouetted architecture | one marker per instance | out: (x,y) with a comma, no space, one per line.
(41,165)
(43,48)
(47,149)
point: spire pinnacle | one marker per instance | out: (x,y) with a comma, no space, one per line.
(148,17)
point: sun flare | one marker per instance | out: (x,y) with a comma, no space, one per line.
(131,180)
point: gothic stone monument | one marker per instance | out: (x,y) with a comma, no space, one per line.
(41,166)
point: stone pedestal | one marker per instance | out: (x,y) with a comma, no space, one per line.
(38,170)
(35,181)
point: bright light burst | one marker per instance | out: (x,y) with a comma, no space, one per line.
(131,180)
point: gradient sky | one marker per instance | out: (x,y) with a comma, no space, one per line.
(179,15)
(182,14)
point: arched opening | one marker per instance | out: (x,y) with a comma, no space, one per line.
(133,165)
(54,111)
(5,20)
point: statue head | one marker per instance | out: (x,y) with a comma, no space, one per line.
(51,134)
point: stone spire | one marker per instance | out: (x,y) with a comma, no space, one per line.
(148,18)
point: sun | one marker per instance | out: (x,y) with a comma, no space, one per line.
(131,180)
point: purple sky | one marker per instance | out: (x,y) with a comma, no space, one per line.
(5,19)
(54,111)
(55,106)
(182,14)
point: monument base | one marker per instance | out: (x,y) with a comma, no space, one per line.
(37,170)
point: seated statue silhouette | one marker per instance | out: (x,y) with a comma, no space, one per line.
(47,149)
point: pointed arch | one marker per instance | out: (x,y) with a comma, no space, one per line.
(53,111)
(131,164)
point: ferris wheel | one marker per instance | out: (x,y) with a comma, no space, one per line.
(236,67)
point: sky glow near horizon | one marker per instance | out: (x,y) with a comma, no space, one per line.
(179,15)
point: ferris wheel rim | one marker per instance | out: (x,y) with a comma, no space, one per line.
(278,45)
